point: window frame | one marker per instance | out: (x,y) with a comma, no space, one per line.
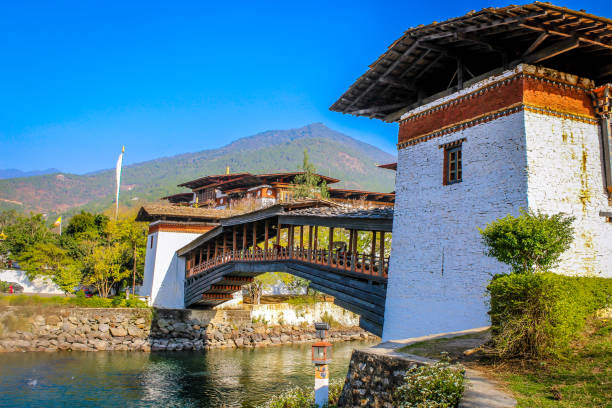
(453,166)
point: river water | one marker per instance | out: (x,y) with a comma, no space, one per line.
(215,378)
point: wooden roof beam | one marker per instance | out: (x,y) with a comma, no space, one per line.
(565,34)
(503,22)
(479,40)
(428,67)
(377,109)
(397,84)
(552,51)
(390,68)
(415,63)
(538,41)
(604,71)
(435,47)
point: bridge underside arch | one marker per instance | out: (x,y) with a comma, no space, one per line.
(365,297)
(317,241)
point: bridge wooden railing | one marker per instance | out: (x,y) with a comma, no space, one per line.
(367,264)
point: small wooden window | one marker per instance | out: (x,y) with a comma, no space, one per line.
(453,172)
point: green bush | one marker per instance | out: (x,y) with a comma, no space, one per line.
(538,315)
(531,242)
(4,286)
(438,385)
(300,397)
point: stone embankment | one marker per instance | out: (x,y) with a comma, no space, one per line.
(23,329)
(373,376)
(376,372)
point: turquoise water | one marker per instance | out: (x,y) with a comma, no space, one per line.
(216,378)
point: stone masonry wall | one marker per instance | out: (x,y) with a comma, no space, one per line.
(372,379)
(56,329)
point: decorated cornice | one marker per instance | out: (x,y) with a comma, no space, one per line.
(537,91)
(547,76)
(602,101)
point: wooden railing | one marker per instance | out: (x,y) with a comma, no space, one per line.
(367,264)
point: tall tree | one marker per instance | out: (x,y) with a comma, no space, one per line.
(134,235)
(108,267)
(309,184)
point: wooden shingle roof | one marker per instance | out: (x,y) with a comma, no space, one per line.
(152,212)
(430,60)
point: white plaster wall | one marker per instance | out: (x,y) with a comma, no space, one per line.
(296,315)
(164,274)
(566,175)
(236,302)
(38,285)
(438,271)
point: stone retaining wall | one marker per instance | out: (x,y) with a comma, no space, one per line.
(373,375)
(53,329)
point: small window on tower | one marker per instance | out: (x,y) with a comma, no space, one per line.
(452,165)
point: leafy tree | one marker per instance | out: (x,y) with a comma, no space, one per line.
(531,242)
(107,265)
(23,232)
(308,184)
(83,232)
(119,250)
(86,225)
(48,260)
(134,235)
(7,218)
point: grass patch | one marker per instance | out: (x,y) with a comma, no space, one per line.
(583,379)
(65,301)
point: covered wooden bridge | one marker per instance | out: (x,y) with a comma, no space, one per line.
(316,240)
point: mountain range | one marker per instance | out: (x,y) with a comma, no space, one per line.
(16,173)
(333,153)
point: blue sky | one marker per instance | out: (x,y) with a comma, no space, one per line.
(82,78)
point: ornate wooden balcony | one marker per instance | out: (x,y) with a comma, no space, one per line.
(361,263)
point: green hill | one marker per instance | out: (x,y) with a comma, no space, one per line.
(333,154)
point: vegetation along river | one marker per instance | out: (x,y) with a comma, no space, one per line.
(215,378)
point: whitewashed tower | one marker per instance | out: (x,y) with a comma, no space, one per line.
(498,110)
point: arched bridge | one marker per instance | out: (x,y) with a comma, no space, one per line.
(342,251)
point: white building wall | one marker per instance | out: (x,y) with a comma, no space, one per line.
(566,175)
(38,285)
(164,273)
(438,271)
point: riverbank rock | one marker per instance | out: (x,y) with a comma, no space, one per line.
(87,329)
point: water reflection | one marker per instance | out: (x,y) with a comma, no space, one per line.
(217,378)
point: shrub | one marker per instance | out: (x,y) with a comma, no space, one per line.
(329,319)
(531,242)
(300,397)
(536,315)
(4,286)
(438,385)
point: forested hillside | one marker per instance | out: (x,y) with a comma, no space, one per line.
(333,154)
